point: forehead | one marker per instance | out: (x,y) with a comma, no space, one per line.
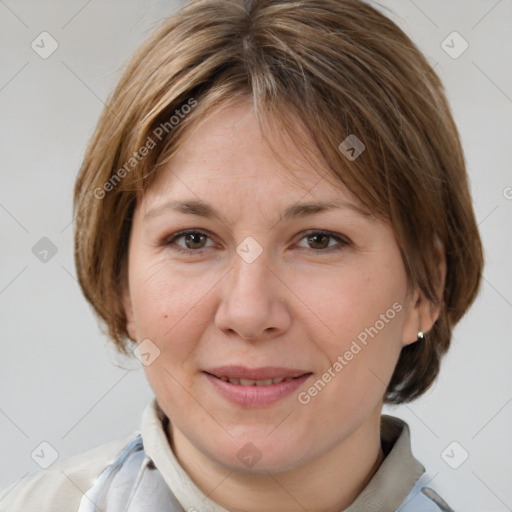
(227,153)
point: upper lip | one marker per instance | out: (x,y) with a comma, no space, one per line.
(267,372)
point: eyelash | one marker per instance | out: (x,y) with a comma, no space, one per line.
(170,241)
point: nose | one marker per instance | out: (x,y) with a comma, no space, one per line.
(254,302)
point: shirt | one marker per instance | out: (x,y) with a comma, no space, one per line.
(140,473)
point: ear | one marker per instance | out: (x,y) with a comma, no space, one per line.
(422,313)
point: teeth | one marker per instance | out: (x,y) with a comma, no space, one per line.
(250,382)
(264,382)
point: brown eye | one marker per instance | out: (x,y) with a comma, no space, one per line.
(319,241)
(194,240)
(188,241)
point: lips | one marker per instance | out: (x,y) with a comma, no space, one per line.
(260,387)
(265,376)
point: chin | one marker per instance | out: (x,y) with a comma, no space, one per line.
(258,454)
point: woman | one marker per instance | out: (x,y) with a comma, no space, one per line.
(273,214)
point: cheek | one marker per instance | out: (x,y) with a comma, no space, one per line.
(363,313)
(169,307)
(352,301)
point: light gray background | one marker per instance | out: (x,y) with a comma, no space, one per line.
(60,380)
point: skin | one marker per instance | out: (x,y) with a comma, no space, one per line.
(300,304)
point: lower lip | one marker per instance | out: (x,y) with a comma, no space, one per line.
(256,396)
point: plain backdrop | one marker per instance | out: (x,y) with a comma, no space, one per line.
(63,384)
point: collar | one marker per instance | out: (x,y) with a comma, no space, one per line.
(388,488)
(157,448)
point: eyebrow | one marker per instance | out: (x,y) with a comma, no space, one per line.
(203,209)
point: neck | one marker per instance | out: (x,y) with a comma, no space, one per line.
(329,483)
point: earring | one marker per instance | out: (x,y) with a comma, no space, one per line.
(421,336)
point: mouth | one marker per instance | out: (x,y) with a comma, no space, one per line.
(264,376)
(250,382)
(255,387)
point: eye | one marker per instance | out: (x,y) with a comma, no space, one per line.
(194,241)
(319,241)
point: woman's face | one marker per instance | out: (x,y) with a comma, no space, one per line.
(263,287)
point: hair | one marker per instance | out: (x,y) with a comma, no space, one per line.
(342,68)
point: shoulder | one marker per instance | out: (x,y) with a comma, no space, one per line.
(62,485)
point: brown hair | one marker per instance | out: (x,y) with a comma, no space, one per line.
(342,68)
